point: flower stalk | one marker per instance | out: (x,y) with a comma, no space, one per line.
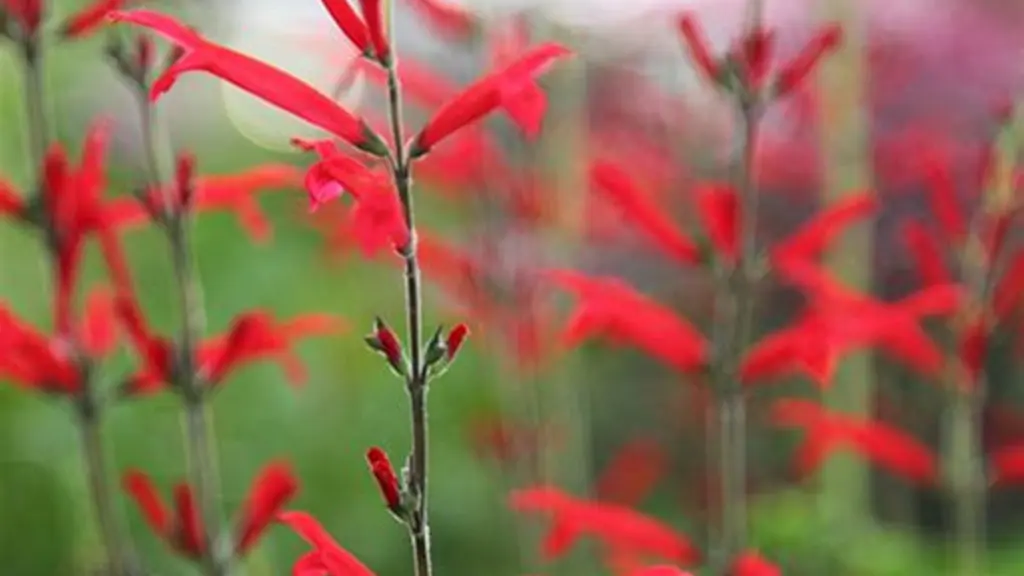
(88,405)
(176,223)
(418,522)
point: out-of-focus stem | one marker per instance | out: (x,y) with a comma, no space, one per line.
(202,467)
(38,129)
(845,131)
(99,482)
(966,479)
(118,555)
(416,381)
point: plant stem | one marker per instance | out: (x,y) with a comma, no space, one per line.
(966,482)
(416,382)
(99,482)
(202,467)
(38,129)
(118,556)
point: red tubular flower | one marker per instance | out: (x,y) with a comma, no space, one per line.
(512,88)
(373,14)
(327,556)
(253,76)
(720,213)
(27,13)
(272,489)
(623,532)
(183,532)
(455,339)
(1007,466)
(659,571)
(879,443)
(91,18)
(942,197)
(446,19)
(754,55)
(11,202)
(233,193)
(926,253)
(794,72)
(608,307)
(700,51)
(387,481)
(1009,291)
(751,563)
(642,212)
(632,472)
(350,24)
(811,240)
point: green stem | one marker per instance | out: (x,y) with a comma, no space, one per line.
(416,382)
(966,480)
(202,465)
(38,129)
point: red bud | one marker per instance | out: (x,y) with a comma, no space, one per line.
(385,476)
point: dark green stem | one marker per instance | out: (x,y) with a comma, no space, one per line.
(202,466)
(416,382)
(38,129)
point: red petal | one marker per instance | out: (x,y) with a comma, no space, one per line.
(814,237)
(720,212)
(642,212)
(632,473)
(1008,465)
(337,560)
(503,87)
(253,76)
(612,309)
(802,65)
(190,525)
(141,489)
(927,255)
(90,18)
(751,563)
(695,40)
(373,13)
(99,326)
(10,201)
(942,198)
(1009,291)
(349,23)
(274,487)
(446,19)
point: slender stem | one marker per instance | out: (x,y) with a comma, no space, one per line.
(966,481)
(119,555)
(416,384)
(99,481)
(38,129)
(202,467)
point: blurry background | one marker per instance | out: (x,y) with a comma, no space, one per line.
(513,411)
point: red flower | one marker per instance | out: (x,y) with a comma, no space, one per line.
(1009,291)
(943,200)
(327,557)
(512,88)
(841,320)
(185,532)
(387,480)
(926,253)
(643,213)
(879,443)
(659,571)
(373,13)
(1007,465)
(632,472)
(455,339)
(700,50)
(253,336)
(811,240)
(623,532)
(794,72)
(27,13)
(610,308)
(720,213)
(446,19)
(90,18)
(350,24)
(751,563)
(233,193)
(47,364)
(255,77)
